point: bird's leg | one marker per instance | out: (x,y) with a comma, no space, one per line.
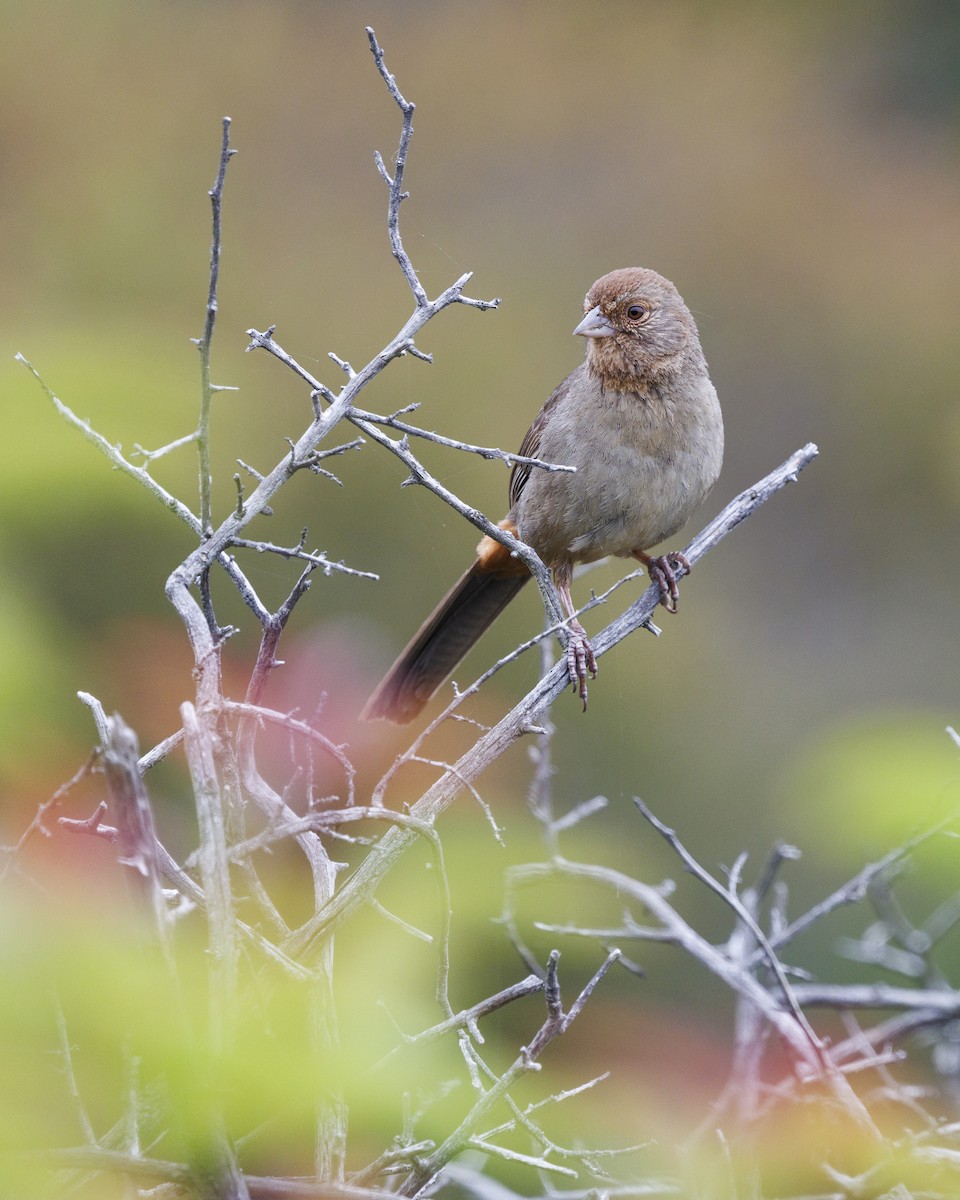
(579,652)
(664,573)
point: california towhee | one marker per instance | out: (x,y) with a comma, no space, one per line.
(640,421)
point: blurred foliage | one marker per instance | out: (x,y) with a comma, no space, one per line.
(792,167)
(878,781)
(90,1017)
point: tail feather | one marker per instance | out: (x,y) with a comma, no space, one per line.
(465,612)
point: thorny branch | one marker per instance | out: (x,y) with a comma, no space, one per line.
(556,1023)
(205,340)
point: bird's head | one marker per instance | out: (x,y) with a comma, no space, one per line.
(638,329)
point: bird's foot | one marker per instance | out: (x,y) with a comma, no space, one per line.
(664,573)
(580,659)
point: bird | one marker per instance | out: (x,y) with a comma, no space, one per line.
(640,422)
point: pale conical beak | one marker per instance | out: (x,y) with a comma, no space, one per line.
(595,325)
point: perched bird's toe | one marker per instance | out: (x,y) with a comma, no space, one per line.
(665,572)
(581,660)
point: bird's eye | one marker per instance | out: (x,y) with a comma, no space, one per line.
(636,312)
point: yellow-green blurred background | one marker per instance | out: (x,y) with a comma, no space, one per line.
(792,167)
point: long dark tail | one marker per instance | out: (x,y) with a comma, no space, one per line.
(471,606)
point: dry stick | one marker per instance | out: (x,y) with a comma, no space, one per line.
(556,1023)
(487,452)
(44,810)
(196,618)
(330,1131)
(521,1121)
(397,194)
(743,1089)
(854,889)
(258,1187)
(302,729)
(730,897)
(941,1004)
(492,745)
(218,1178)
(559,1098)
(216,1174)
(205,340)
(166,864)
(827,1066)
(540,790)
(136,833)
(299,456)
(681,934)
(160,751)
(302,452)
(206,387)
(66,1057)
(473,1182)
(142,476)
(467,1018)
(201,627)
(271,804)
(202,642)
(794,1032)
(751,1035)
(201,631)
(199,740)
(315,558)
(113,453)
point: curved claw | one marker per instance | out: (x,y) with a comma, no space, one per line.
(580,660)
(665,572)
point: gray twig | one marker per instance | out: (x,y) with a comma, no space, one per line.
(556,1023)
(206,338)
(487,452)
(199,740)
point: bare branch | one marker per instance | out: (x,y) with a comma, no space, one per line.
(395,185)
(199,737)
(136,834)
(44,811)
(66,1055)
(302,729)
(556,1023)
(856,888)
(487,452)
(729,897)
(467,1018)
(206,339)
(115,455)
(149,455)
(315,557)
(944,1002)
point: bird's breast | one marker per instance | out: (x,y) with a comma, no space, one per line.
(643,465)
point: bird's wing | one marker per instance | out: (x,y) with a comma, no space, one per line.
(530,446)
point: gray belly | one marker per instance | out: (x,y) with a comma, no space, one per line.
(629,492)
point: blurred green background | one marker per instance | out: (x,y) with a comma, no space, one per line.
(793,168)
